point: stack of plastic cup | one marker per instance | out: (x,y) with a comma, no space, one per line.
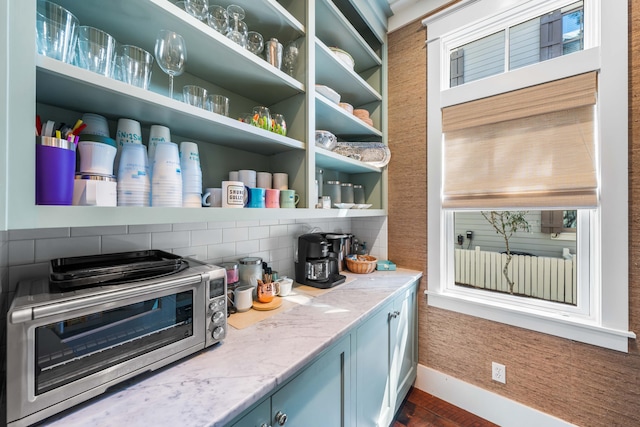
(191,175)
(166,184)
(133,176)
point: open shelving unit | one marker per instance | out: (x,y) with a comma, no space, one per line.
(66,91)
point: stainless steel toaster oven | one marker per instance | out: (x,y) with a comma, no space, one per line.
(65,346)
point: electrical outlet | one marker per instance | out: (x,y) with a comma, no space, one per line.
(498,372)
(470,235)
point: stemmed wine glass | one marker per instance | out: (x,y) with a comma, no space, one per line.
(290,57)
(171,55)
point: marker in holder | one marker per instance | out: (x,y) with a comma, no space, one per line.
(55,170)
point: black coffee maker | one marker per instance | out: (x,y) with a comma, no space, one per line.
(314,266)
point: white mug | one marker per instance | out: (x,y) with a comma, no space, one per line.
(264,180)
(283,286)
(281,181)
(234,194)
(212,197)
(243,297)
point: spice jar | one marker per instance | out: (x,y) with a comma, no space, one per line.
(250,270)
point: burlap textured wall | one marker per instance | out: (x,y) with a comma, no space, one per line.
(579,383)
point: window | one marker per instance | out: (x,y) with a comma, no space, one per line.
(498,144)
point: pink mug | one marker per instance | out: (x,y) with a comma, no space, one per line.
(272,199)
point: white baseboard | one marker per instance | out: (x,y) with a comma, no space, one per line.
(483,403)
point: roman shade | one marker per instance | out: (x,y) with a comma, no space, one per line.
(533,148)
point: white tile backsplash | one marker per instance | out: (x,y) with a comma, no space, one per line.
(206,237)
(126,242)
(38,233)
(173,239)
(21,252)
(232,235)
(151,228)
(98,231)
(27,252)
(47,249)
(190,226)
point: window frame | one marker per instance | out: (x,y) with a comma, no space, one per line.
(606,320)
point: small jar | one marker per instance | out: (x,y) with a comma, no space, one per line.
(232,272)
(332,189)
(358,194)
(346,193)
(250,270)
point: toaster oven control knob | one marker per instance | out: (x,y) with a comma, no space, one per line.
(212,306)
(217,317)
(281,418)
(218,333)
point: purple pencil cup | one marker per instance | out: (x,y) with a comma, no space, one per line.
(55,170)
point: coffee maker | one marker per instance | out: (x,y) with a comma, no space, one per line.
(314,266)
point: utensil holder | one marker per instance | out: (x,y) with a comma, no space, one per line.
(55,171)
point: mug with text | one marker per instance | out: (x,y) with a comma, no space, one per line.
(234,194)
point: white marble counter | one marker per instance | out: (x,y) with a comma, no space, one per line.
(214,386)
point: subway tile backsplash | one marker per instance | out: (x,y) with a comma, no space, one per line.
(24,254)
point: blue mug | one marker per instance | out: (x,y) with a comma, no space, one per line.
(256,198)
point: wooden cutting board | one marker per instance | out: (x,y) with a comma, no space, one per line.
(266,306)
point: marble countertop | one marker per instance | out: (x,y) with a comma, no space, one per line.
(214,386)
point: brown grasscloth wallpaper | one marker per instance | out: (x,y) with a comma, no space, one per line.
(579,383)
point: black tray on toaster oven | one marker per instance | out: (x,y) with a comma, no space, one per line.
(117,267)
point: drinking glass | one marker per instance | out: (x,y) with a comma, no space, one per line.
(290,57)
(197,8)
(171,55)
(218,19)
(238,30)
(255,42)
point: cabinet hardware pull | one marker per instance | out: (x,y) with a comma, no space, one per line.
(394,314)
(281,418)
(264,425)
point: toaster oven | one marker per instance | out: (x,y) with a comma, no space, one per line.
(65,346)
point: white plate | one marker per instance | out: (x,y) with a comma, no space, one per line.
(362,206)
(344,205)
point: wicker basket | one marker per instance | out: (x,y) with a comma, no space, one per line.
(363,264)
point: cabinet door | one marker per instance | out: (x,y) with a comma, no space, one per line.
(374,405)
(258,417)
(319,396)
(404,355)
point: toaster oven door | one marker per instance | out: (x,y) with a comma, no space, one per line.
(72,355)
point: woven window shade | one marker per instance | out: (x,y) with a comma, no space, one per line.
(532,148)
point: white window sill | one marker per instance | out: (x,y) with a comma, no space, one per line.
(568,327)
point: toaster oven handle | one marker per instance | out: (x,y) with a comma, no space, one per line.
(95,300)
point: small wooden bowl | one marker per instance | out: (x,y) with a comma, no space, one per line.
(364,264)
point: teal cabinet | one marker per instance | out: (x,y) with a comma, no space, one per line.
(317,397)
(386,359)
(260,416)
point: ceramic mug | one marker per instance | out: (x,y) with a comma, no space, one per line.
(212,197)
(234,194)
(288,198)
(243,297)
(283,286)
(256,198)
(272,198)
(247,176)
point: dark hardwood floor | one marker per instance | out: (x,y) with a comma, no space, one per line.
(421,409)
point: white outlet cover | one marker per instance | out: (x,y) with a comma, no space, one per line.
(498,372)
